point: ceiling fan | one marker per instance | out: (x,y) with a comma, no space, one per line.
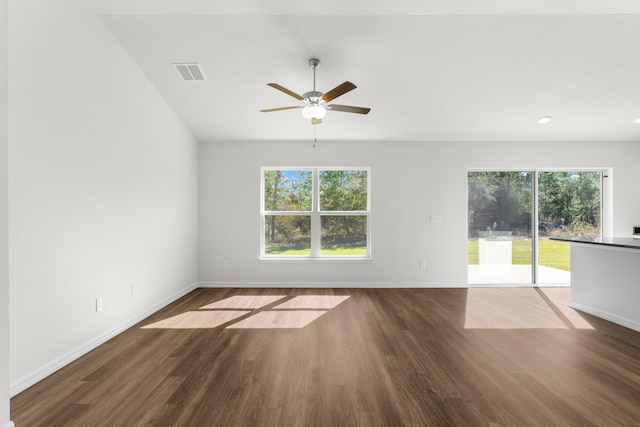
(315,104)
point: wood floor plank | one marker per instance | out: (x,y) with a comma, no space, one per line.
(381,357)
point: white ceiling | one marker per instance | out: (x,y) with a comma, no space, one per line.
(429,70)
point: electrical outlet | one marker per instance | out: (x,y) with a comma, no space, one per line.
(422,264)
(99,304)
(436,219)
(225,264)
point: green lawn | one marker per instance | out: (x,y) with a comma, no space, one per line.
(288,250)
(344,250)
(331,250)
(550,253)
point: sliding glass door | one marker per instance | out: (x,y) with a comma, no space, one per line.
(512,215)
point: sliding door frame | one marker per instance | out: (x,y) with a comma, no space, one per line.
(606,204)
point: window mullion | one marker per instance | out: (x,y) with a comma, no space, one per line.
(316,228)
(534,229)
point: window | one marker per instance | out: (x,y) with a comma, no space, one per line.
(315,213)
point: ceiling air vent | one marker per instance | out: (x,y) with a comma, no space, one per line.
(190,72)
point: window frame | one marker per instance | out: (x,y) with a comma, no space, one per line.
(606,208)
(315,215)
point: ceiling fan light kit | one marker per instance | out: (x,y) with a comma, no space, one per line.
(315,104)
(314,112)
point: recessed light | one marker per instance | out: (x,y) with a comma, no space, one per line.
(544,119)
(636,121)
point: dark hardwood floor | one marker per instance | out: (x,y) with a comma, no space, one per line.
(382,357)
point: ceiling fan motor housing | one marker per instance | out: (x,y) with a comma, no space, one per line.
(312,97)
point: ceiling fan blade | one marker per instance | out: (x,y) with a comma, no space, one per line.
(316,121)
(337,91)
(285,90)
(280,109)
(348,109)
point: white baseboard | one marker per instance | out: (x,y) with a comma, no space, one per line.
(622,321)
(44,371)
(336,285)
(517,285)
(374,285)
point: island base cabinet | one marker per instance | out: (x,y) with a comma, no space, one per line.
(605,282)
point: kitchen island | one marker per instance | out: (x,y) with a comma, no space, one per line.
(605,278)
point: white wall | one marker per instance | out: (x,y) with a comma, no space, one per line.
(102,188)
(410,181)
(4,209)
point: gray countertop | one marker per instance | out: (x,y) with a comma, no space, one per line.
(620,242)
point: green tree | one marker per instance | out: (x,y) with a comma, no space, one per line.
(499,201)
(569,200)
(287,191)
(343,190)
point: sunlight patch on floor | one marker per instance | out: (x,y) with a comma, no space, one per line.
(278,320)
(313,302)
(521,308)
(197,320)
(561,297)
(302,310)
(244,302)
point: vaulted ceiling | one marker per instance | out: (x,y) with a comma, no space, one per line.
(429,70)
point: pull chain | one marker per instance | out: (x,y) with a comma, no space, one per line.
(314,137)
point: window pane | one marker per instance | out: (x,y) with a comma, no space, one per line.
(287,190)
(569,204)
(343,190)
(344,235)
(500,244)
(287,235)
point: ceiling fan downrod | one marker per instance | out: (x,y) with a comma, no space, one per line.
(313,97)
(314,63)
